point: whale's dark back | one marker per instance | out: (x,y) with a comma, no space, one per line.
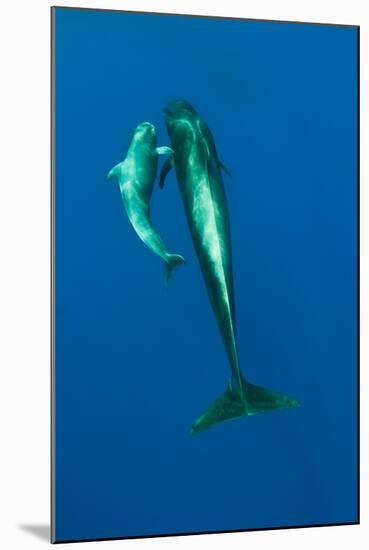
(196,158)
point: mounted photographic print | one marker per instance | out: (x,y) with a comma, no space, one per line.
(205,274)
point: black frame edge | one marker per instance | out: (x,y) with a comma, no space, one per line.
(52,275)
(204,16)
(227,532)
(358,275)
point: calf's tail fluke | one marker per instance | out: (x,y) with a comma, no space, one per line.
(172,262)
(234,403)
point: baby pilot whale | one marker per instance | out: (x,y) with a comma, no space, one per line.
(200,181)
(136,175)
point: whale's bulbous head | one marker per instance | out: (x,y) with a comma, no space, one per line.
(180,118)
(179,109)
(145,133)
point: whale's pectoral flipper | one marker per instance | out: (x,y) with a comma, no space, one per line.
(164,150)
(224,168)
(231,405)
(172,262)
(116,171)
(166,168)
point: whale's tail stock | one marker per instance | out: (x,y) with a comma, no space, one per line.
(172,262)
(233,404)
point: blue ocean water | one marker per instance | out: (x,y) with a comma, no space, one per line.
(136,364)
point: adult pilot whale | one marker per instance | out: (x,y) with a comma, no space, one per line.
(199,176)
(136,175)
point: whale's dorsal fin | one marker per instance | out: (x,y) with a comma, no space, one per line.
(164,150)
(166,168)
(224,168)
(211,146)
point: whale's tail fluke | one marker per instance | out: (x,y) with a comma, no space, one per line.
(234,404)
(172,262)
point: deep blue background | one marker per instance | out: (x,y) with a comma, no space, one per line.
(136,364)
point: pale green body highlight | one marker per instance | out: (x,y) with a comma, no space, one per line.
(201,185)
(136,176)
